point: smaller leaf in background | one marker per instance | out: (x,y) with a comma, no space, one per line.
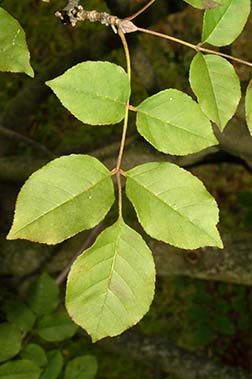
(20,315)
(35,353)
(248,106)
(18,369)
(68,195)
(56,327)
(204,4)
(173,206)
(14,54)
(94,92)
(43,295)
(174,124)
(111,285)
(84,367)
(223,324)
(203,335)
(222,25)
(10,341)
(217,87)
(54,366)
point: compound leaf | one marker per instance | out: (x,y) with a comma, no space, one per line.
(111,285)
(56,327)
(222,25)
(84,367)
(19,369)
(174,124)
(68,195)
(217,87)
(204,4)
(10,341)
(14,54)
(173,206)
(248,106)
(94,92)
(43,296)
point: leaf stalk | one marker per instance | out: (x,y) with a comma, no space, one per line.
(197,48)
(117,170)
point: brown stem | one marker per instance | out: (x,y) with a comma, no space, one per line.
(141,10)
(197,48)
(125,125)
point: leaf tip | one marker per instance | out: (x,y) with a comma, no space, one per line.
(10,235)
(30,72)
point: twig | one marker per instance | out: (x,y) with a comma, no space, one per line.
(197,47)
(73,13)
(88,242)
(26,140)
(141,10)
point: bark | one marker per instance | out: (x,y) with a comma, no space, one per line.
(17,169)
(233,264)
(171,359)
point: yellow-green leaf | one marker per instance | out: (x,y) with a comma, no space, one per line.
(70,194)
(173,206)
(248,106)
(111,285)
(217,87)
(174,124)
(222,25)
(94,92)
(14,54)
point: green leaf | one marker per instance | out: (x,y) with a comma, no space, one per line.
(173,206)
(56,327)
(217,87)
(248,106)
(20,315)
(70,194)
(43,296)
(14,54)
(55,365)
(35,353)
(10,341)
(84,367)
(94,92)
(203,335)
(20,369)
(111,285)
(221,26)
(223,324)
(174,124)
(204,4)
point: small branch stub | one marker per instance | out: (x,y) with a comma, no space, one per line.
(73,12)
